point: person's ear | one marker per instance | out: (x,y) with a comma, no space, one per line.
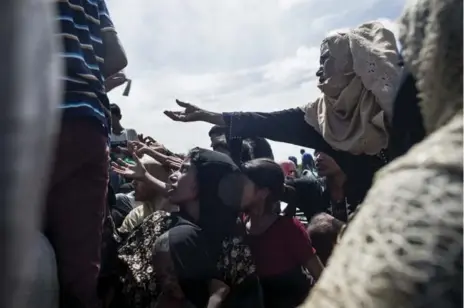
(263,193)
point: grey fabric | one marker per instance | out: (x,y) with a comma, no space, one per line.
(43,286)
(30,95)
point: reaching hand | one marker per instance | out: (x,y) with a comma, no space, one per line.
(191,113)
(149,141)
(328,167)
(174,162)
(115,81)
(133,171)
(139,148)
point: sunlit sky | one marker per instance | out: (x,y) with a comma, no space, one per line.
(226,55)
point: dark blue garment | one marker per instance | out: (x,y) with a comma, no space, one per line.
(81,25)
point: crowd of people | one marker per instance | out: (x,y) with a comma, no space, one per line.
(372,219)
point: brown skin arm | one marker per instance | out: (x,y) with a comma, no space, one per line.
(218,293)
(314,266)
(114,54)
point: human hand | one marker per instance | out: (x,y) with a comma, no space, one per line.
(115,81)
(174,162)
(328,167)
(149,141)
(139,148)
(132,171)
(191,113)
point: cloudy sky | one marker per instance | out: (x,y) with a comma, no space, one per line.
(226,55)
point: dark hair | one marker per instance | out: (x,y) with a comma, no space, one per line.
(260,148)
(323,230)
(305,194)
(217,130)
(250,148)
(265,173)
(115,109)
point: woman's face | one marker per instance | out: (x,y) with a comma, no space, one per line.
(142,192)
(326,69)
(219,144)
(182,185)
(252,196)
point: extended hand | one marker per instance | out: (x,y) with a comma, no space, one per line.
(191,113)
(133,171)
(115,81)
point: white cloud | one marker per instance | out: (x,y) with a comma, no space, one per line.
(228,55)
(288,4)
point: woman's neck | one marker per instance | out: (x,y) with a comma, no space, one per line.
(192,209)
(117,128)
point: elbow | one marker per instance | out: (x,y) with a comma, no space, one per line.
(115,56)
(115,63)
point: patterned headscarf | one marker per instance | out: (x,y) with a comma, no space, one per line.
(404,246)
(431,35)
(356,102)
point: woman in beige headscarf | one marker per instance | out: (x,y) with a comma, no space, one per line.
(151,199)
(358,77)
(404,247)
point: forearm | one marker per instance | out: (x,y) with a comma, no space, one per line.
(156,184)
(115,56)
(338,204)
(315,267)
(218,294)
(161,158)
(213,118)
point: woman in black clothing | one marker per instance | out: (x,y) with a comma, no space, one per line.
(348,122)
(197,255)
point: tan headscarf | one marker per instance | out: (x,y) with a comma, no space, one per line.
(404,246)
(357,100)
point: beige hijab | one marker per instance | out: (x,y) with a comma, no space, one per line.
(404,246)
(357,100)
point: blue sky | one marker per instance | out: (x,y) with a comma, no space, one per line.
(227,55)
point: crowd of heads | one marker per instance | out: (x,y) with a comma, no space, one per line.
(231,226)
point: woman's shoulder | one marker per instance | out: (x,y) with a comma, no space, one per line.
(289,226)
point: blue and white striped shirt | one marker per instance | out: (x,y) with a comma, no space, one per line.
(82,22)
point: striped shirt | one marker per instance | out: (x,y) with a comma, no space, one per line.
(82,23)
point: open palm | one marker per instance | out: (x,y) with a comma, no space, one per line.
(191,113)
(133,171)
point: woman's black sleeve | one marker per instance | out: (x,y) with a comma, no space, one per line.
(287,126)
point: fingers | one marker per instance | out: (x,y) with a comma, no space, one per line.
(137,160)
(123,150)
(117,168)
(183,104)
(174,115)
(123,163)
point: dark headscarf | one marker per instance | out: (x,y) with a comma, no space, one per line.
(220,186)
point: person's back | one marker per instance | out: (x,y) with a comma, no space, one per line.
(77,189)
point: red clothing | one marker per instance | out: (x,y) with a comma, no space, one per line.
(283,247)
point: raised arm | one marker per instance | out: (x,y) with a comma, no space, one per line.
(286,126)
